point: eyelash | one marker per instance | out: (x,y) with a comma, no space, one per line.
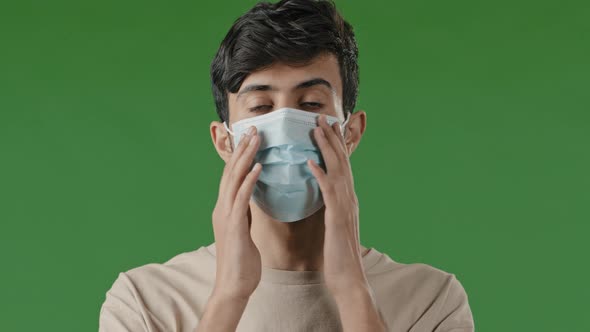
(256,108)
(314,104)
(311,104)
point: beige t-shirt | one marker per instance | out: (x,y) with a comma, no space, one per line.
(172,297)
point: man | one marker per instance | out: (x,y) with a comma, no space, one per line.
(286,258)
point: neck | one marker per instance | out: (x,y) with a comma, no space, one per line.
(295,246)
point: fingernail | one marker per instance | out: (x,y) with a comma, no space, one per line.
(251,130)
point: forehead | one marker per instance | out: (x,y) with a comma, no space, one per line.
(284,77)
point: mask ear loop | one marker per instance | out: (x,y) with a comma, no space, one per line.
(230,132)
(343,124)
(226,128)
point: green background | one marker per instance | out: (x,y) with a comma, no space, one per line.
(475,159)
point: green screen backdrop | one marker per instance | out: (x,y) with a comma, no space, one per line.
(475,160)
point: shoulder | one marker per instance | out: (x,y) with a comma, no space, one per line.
(381,267)
(429,295)
(153,296)
(411,275)
(188,263)
(150,281)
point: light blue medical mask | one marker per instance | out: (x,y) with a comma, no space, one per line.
(286,189)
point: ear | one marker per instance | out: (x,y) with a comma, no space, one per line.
(222,140)
(354,130)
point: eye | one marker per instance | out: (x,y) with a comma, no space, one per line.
(312,105)
(259,108)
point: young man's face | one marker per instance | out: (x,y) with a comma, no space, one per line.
(314,87)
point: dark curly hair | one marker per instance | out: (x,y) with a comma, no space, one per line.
(289,31)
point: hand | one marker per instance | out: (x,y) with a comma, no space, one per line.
(343,269)
(238,259)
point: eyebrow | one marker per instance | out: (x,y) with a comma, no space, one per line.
(302,85)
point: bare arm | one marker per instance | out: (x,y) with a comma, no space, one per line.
(222,313)
(358,310)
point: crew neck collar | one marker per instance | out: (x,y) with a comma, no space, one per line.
(289,277)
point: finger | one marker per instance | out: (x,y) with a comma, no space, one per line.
(242,145)
(341,138)
(328,154)
(242,166)
(325,187)
(332,137)
(238,150)
(242,200)
(345,156)
(318,173)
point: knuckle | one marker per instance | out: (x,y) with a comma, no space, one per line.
(243,141)
(219,214)
(241,195)
(240,146)
(238,170)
